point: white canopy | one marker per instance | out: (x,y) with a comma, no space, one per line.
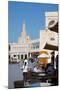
(43,56)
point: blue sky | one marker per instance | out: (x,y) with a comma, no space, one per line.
(31,13)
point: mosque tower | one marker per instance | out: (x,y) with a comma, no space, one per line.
(23,38)
(23,33)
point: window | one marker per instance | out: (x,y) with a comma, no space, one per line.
(9,48)
(18,56)
(25,56)
(21,56)
(52,39)
(37,46)
(9,57)
(14,55)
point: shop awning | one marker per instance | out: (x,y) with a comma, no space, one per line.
(51,47)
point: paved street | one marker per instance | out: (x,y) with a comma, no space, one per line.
(15,73)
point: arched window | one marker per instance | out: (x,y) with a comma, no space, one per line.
(25,56)
(21,56)
(9,48)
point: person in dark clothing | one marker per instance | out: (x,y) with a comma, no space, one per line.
(54,81)
(57,70)
(57,62)
(49,69)
(52,57)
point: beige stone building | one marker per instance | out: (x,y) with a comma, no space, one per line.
(24,47)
